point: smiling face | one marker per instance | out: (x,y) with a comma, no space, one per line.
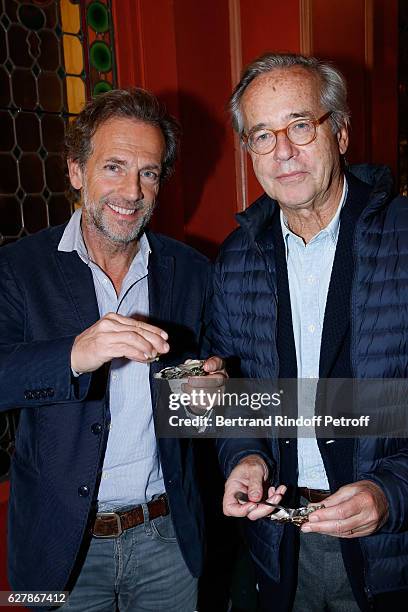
(120,180)
(298,177)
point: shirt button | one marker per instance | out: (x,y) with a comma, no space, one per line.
(114,377)
(311,328)
(96,428)
(105,475)
(311,279)
(83,491)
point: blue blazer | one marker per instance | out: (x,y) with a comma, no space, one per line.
(47,298)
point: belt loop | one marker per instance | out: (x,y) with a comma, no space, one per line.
(146,517)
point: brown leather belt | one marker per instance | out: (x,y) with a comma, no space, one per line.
(314,496)
(112,524)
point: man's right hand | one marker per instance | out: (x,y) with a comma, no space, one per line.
(249,477)
(117,336)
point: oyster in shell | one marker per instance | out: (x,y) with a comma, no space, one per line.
(191,367)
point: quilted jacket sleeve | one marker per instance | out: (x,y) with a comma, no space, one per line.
(230,450)
(391,475)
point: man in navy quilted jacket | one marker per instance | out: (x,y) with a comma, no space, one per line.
(314,284)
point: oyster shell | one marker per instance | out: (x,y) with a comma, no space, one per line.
(191,367)
(298,516)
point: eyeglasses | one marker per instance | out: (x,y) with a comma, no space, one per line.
(300,132)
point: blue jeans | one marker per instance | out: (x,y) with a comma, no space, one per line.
(141,570)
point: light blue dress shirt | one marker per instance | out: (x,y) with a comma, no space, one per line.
(309,271)
(131,470)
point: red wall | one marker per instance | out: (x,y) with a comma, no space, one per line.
(191,53)
(361,37)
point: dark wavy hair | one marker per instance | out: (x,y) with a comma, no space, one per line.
(135,103)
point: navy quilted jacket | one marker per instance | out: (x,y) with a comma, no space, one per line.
(245,327)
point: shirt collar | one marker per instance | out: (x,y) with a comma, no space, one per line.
(332,230)
(72,240)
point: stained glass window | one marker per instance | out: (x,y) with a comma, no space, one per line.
(54,54)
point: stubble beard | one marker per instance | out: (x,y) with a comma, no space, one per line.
(95,215)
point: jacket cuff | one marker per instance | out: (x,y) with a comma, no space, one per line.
(233,462)
(397,501)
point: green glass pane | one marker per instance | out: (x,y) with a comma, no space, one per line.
(6,132)
(10,216)
(31,16)
(101,56)
(34,213)
(28,131)
(101,87)
(97,17)
(31,173)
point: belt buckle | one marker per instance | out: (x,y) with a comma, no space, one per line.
(118,524)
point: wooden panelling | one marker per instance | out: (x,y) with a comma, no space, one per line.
(207,158)
(241,160)
(384,84)
(361,37)
(182,53)
(306,27)
(339,36)
(267,26)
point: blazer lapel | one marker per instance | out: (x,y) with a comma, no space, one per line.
(160,281)
(79,283)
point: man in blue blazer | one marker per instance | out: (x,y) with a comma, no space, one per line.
(89,312)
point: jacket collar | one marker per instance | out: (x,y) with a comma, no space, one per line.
(160,281)
(257,218)
(78,278)
(161,271)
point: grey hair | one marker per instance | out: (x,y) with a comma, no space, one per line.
(333,92)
